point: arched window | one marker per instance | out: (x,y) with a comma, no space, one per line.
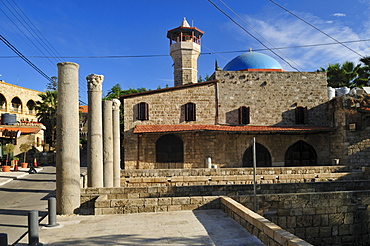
(16,105)
(2,102)
(143,112)
(190,112)
(169,148)
(300,154)
(263,157)
(31,107)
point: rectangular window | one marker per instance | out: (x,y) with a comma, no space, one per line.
(143,113)
(244,115)
(301,115)
(190,112)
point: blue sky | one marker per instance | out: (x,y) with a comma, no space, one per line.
(86,28)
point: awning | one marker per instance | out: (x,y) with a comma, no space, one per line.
(227,128)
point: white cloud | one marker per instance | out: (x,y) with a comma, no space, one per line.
(283,31)
(339,14)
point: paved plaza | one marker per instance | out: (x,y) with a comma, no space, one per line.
(201,227)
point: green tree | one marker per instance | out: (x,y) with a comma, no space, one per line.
(52,85)
(47,114)
(116,91)
(347,74)
(206,78)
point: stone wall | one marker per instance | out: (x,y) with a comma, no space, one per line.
(351,146)
(231,176)
(166,107)
(268,232)
(225,149)
(316,212)
(272,96)
(321,218)
(25,95)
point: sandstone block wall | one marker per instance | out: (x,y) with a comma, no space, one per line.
(320,218)
(25,95)
(268,232)
(165,108)
(272,96)
(350,146)
(225,149)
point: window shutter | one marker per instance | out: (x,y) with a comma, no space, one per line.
(143,112)
(190,112)
(244,115)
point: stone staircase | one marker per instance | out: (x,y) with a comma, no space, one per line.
(235,176)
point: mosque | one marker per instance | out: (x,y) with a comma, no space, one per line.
(194,124)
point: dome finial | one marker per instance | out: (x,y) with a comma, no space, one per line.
(184,23)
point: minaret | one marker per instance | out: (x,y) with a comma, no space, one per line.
(185,50)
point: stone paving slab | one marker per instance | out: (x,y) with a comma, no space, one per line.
(198,227)
(6,177)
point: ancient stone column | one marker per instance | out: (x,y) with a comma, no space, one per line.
(107,143)
(116,144)
(68,151)
(95,131)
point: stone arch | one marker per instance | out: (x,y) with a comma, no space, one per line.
(16,105)
(300,154)
(2,102)
(262,155)
(30,106)
(169,149)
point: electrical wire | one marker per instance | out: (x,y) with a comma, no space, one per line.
(257,32)
(203,53)
(6,42)
(250,34)
(341,43)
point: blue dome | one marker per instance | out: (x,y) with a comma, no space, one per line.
(252,60)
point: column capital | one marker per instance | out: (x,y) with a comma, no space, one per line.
(94,82)
(116,104)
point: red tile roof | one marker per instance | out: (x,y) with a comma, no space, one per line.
(365,109)
(84,109)
(228,128)
(24,130)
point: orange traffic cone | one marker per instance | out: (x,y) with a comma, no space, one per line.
(35,163)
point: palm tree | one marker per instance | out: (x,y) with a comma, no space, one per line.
(47,114)
(348,74)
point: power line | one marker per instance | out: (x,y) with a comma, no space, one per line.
(236,23)
(203,53)
(255,30)
(341,43)
(6,42)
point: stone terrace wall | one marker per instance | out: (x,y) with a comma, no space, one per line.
(89,195)
(321,218)
(268,232)
(134,173)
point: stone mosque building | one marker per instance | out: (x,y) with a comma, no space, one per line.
(251,97)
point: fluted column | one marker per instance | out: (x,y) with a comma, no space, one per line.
(68,151)
(95,131)
(107,143)
(116,144)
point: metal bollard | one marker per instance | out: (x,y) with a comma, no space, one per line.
(3,239)
(52,212)
(33,227)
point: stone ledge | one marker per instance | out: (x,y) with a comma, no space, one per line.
(269,230)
